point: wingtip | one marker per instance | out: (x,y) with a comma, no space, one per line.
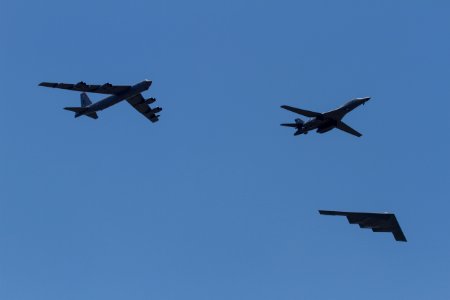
(329,212)
(400,237)
(48,84)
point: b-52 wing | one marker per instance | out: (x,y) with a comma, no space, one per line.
(142,106)
(303,112)
(378,222)
(81,86)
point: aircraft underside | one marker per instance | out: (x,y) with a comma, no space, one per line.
(324,122)
(326,127)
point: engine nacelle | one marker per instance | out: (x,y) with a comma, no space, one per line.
(299,122)
(150,100)
(325,129)
(80,84)
(156,110)
(106,85)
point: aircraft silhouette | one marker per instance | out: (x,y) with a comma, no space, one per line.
(118,93)
(324,122)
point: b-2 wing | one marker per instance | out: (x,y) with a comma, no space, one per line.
(378,222)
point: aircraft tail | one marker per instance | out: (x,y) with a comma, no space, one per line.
(75,109)
(83,110)
(79,111)
(294,125)
(92,115)
(85,101)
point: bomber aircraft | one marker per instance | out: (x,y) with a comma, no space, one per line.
(324,122)
(117,94)
(378,222)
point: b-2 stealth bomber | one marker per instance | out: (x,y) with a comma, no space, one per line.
(117,94)
(378,222)
(324,122)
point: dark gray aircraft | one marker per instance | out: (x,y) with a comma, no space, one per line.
(378,222)
(118,93)
(324,122)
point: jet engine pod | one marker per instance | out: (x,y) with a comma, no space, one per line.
(106,85)
(299,122)
(150,100)
(156,110)
(324,129)
(80,84)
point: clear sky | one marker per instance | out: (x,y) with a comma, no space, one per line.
(217,201)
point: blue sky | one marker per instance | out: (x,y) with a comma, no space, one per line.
(217,201)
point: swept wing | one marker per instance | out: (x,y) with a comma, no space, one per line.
(81,86)
(344,127)
(303,112)
(378,222)
(142,106)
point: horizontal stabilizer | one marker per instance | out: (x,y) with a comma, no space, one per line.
(75,109)
(79,111)
(92,115)
(294,125)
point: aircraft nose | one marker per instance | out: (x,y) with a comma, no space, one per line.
(364,100)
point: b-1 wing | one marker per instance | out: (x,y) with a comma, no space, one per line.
(81,86)
(344,127)
(378,222)
(303,112)
(142,106)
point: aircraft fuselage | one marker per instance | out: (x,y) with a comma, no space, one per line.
(116,98)
(327,121)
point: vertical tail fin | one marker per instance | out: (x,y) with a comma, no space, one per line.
(85,101)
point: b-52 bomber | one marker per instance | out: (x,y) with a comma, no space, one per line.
(324,122)
(117,94)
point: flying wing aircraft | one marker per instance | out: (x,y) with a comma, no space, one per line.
(324,122)
(378,222)
(117,94)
